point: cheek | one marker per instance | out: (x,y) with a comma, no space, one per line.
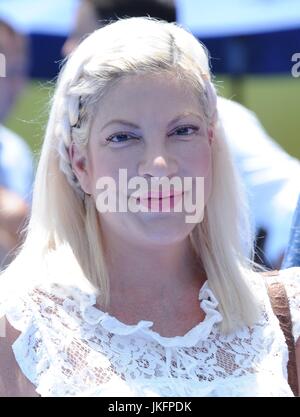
(108,163)
(203,162)
(101,162)
(198,159)
(200,165)
(108,169)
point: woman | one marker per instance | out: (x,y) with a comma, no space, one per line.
(135,302)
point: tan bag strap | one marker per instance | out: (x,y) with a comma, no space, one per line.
(281,308)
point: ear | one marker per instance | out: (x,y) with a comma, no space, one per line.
(79,165)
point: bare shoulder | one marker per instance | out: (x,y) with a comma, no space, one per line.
(13,383)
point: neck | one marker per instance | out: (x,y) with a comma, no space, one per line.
(148,271)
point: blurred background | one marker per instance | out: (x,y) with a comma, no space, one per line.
(254,47)
(251,43)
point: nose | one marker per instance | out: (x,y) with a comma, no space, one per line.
(158,164)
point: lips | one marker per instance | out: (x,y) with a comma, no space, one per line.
(159,195)
(159,202)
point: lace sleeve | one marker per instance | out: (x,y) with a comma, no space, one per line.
(17,307)
(14,304)
(291,279)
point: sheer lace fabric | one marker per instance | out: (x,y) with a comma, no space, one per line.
(68,347)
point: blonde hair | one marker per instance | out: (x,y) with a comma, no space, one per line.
(63,216)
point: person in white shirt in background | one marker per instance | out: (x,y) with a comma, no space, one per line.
(16,162)
(271,176)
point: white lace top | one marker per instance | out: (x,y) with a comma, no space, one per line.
(68,347)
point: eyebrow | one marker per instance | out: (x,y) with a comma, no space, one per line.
(133,125)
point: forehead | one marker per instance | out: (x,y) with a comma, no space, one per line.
(149,95)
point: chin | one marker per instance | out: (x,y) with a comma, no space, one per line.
(163,231)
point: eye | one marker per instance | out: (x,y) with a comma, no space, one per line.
(121,137)
(185,130)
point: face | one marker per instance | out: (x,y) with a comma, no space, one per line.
(152,126)
(85,22)
(13,49)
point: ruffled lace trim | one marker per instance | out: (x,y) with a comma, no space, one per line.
(68,347)
(208,303)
